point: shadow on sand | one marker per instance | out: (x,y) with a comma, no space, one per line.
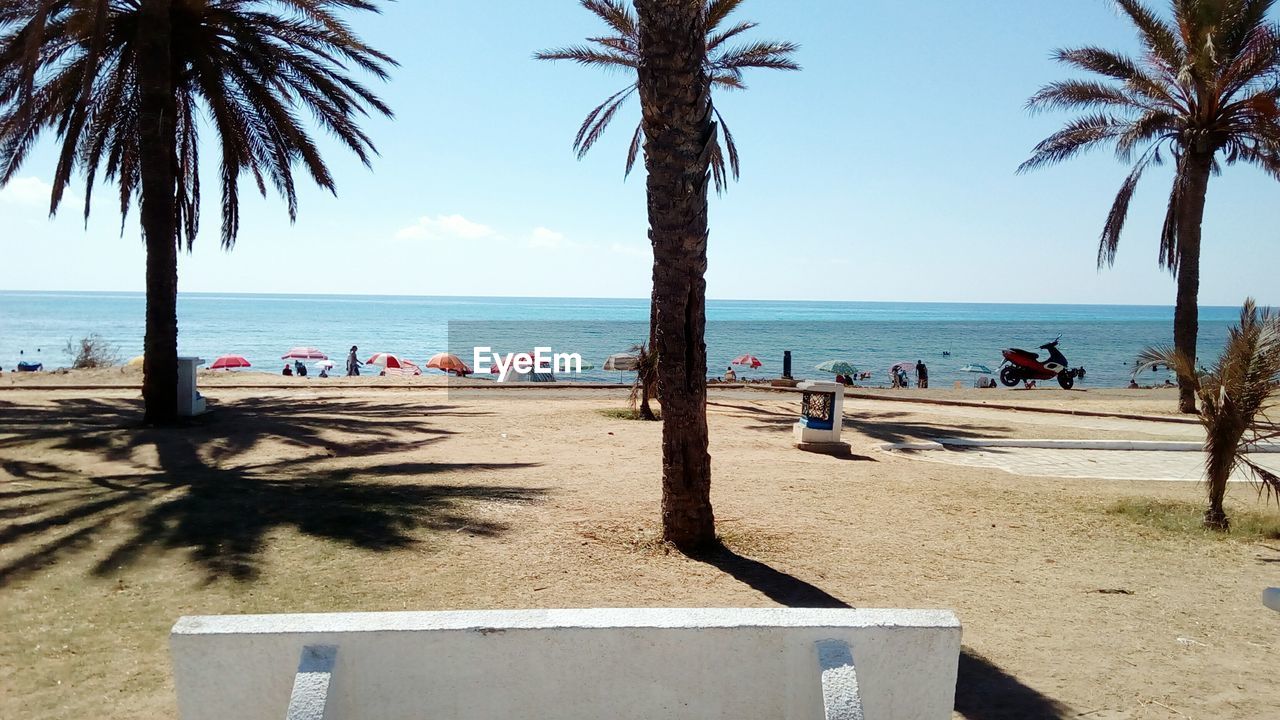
(347,472)
(983,690)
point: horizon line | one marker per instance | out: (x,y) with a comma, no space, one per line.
(10,291)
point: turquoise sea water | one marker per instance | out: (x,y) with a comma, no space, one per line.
(872,336)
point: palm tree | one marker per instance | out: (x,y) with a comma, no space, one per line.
(1236,395)
(642,388)
(1205,90)
(676,117)
(724,63)
(123,85)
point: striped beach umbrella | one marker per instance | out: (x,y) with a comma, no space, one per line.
(304,353)
(750,361)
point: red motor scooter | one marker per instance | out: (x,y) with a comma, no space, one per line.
(1021,365)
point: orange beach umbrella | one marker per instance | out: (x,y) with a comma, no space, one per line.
(448,362)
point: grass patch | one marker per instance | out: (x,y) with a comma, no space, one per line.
(625,414)
(1185,518)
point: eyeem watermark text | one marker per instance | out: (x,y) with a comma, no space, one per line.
(541,360)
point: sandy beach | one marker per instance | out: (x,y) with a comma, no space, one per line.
(338,495)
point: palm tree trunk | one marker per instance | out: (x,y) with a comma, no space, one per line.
(1186,313)
(158,174)
(676,105)
(1215,517)
(646,381)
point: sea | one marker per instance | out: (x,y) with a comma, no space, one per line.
(872,336)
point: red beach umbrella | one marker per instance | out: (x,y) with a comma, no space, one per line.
(386,360)
(448,362)
(304,353)
(406,368)
(227,362)
(749,360)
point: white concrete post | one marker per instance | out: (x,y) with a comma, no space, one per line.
(190,402)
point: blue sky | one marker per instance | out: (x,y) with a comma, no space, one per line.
(883,171)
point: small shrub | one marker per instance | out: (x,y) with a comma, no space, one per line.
(93,351)
(1188,518)
(624,413)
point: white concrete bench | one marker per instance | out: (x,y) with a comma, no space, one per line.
(642,664)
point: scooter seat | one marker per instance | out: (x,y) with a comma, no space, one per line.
(1024,353)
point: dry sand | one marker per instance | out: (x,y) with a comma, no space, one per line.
(348,497)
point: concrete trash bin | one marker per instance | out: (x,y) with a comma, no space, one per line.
(821,418)
(190,401)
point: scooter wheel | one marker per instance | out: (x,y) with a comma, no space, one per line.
(1009,376)
(1066,380)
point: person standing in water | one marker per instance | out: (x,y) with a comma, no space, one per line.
(353,363)
(922,374)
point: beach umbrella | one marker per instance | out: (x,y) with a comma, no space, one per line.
(750,361)
(905,366)
(836,367)
(304,353)
(323,365)
(448,362)
(388,361)
(227,362)
(621,362)
(976,368)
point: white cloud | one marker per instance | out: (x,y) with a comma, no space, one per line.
(546,238)
(27,191)
(632,250)
(445,227)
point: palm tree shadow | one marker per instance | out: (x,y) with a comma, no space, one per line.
(340,473)
(984,691)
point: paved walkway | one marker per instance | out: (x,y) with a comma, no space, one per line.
(1092,464)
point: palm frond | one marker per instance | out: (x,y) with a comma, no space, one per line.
(1080,135)
(764,54)
(589,56)
(724,66)
(616,14)
(1109,242)
(718,10)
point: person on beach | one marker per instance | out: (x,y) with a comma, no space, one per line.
(299,369)
(839,378)
(922,374)
(288,370)
(729,374)
(324,371)
(353,363)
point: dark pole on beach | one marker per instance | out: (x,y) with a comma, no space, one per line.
(676,111)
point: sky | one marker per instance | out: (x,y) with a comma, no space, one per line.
(883,171)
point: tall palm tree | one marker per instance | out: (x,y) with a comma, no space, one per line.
(1236,397)
(123,86)
(1203,91)
(724,63)
(676,117)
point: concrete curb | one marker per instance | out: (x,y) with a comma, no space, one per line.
(1117,445)
(1000,406)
